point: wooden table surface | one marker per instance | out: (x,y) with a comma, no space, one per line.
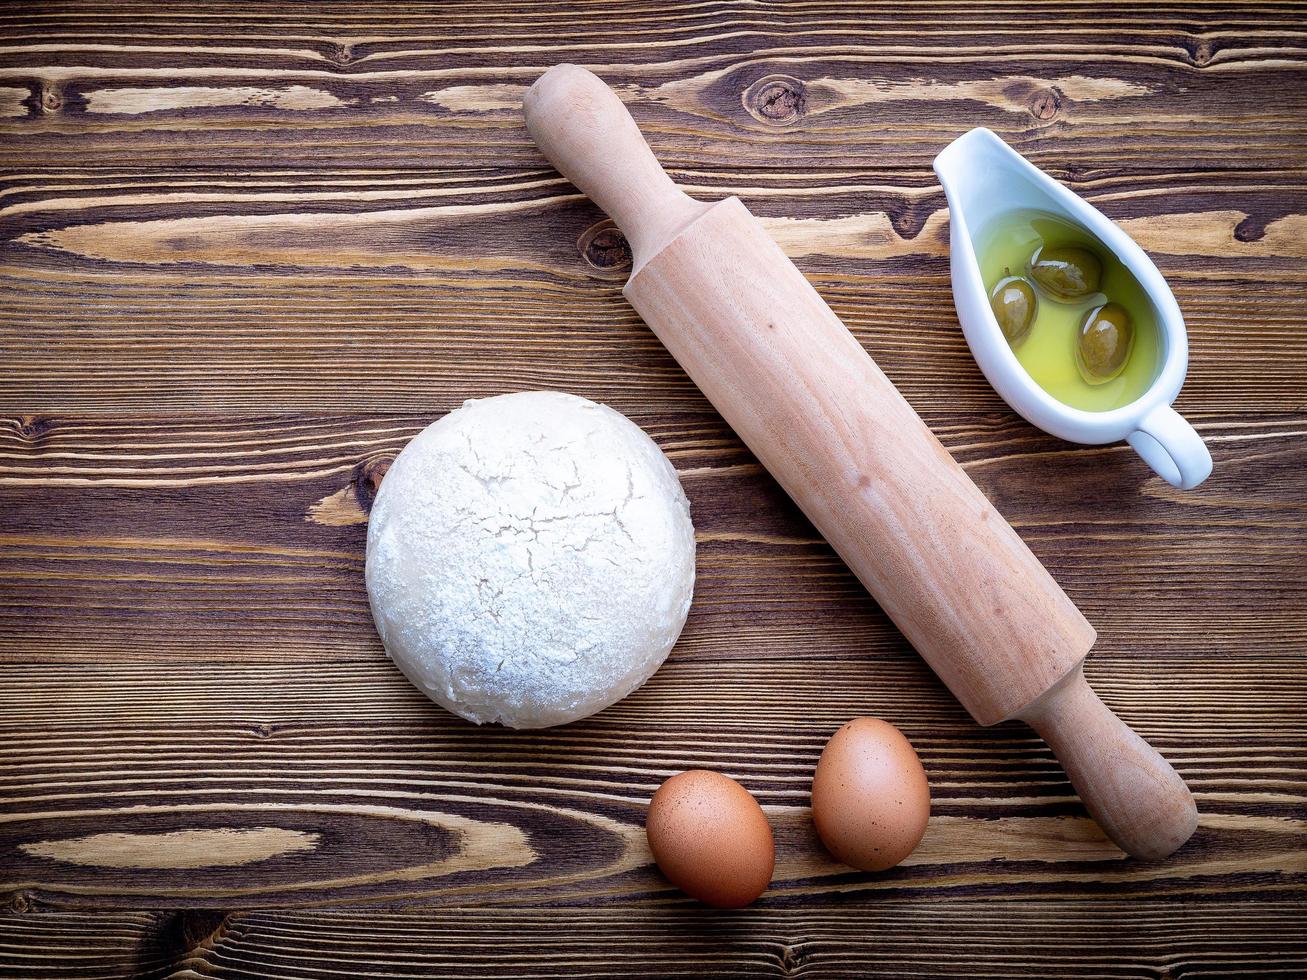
(249,251)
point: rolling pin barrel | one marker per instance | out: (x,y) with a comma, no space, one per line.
(815,409)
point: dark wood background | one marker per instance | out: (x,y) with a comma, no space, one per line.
(249,250)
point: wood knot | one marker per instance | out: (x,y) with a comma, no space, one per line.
(1200,51)
(791,961)
(367,480)
(342,54)
(604,247)
(51,98)
(181,935)
(909,219)
(263,730)
(18,902)
(777,100)
(1250,229)
(1046,103)
(32,429)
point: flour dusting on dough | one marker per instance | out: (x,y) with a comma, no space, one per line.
(530,559)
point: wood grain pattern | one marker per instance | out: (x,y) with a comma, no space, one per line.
(1117,940)
(296,310)
(247,252)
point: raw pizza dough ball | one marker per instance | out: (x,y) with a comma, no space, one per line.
(530,559)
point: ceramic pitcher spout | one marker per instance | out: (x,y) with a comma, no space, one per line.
(967,165)
(985,179)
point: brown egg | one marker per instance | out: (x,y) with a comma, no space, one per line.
(711,839)
(870,798)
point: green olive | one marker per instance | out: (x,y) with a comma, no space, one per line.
(1067,271)
(1103,345)
(1013,303)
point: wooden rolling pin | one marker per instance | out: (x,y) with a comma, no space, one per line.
(835,432)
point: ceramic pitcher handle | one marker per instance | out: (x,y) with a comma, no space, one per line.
(1172,448)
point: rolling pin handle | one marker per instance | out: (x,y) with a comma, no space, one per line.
(1133,793)
(586,133)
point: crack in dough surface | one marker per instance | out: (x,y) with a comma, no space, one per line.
(530,559)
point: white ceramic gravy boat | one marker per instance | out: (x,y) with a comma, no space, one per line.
(984,178)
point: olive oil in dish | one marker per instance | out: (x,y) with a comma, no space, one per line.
(1079,323)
